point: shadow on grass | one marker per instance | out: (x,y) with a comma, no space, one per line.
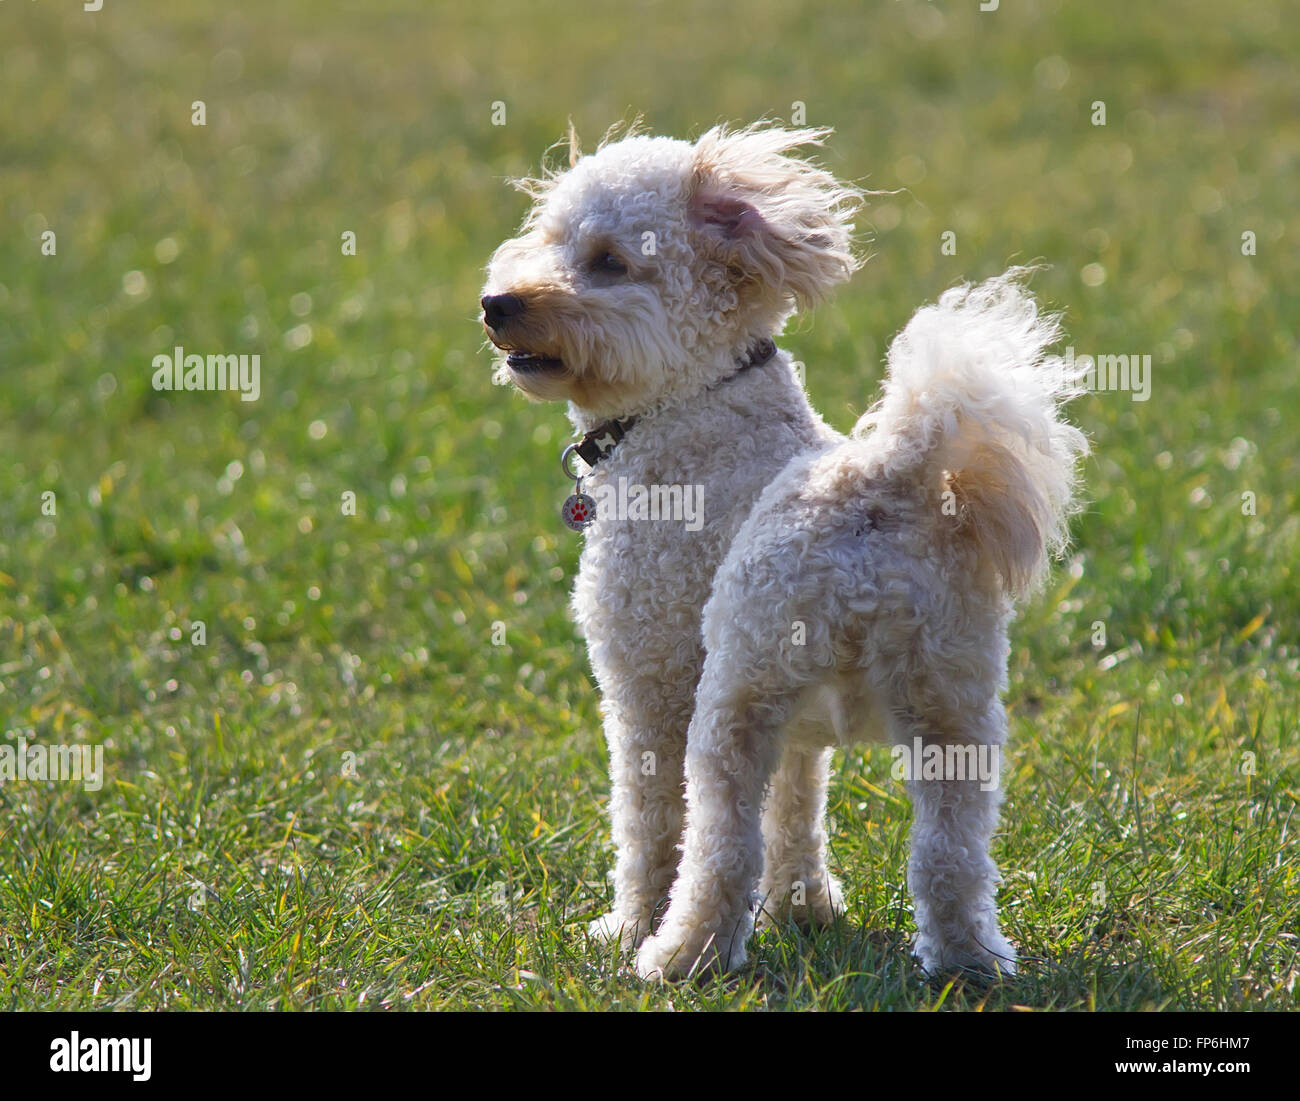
(847,966)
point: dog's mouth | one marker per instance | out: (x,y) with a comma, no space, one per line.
(531,363)
(522,361)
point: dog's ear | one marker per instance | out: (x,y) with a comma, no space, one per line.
(776,220)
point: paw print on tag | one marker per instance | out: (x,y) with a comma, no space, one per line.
(579,511)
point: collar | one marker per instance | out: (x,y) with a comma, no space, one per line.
(601,440)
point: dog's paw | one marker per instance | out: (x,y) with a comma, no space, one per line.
(673,954)
(807,905)
(992,956)
(627,932)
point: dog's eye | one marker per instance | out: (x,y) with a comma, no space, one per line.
(606,263)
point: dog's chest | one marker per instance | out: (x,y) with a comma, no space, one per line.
(665,521)
(660,534)
(670,501)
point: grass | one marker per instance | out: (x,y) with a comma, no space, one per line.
(349,797)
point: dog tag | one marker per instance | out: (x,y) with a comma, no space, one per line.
(578,510)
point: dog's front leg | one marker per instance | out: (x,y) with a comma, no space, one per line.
(731,749)
(646,810)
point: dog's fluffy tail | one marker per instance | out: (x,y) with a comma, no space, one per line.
(971,412)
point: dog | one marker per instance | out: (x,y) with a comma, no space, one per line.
(837,588)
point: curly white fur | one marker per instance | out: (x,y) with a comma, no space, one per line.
(838,588)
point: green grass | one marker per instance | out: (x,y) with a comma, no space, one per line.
(238,857)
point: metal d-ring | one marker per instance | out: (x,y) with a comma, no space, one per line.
(564,462)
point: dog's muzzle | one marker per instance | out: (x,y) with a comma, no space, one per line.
(499,310)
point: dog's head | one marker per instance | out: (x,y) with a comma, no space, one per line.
(651,265)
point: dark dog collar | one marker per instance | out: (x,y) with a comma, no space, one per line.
(601,440)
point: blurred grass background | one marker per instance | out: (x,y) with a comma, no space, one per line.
(349,797)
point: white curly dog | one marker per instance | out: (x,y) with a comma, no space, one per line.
(832,588)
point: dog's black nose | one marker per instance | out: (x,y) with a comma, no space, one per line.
(501,307)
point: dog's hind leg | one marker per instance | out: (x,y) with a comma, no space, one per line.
(732,747)
(795,881)
(951,875)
